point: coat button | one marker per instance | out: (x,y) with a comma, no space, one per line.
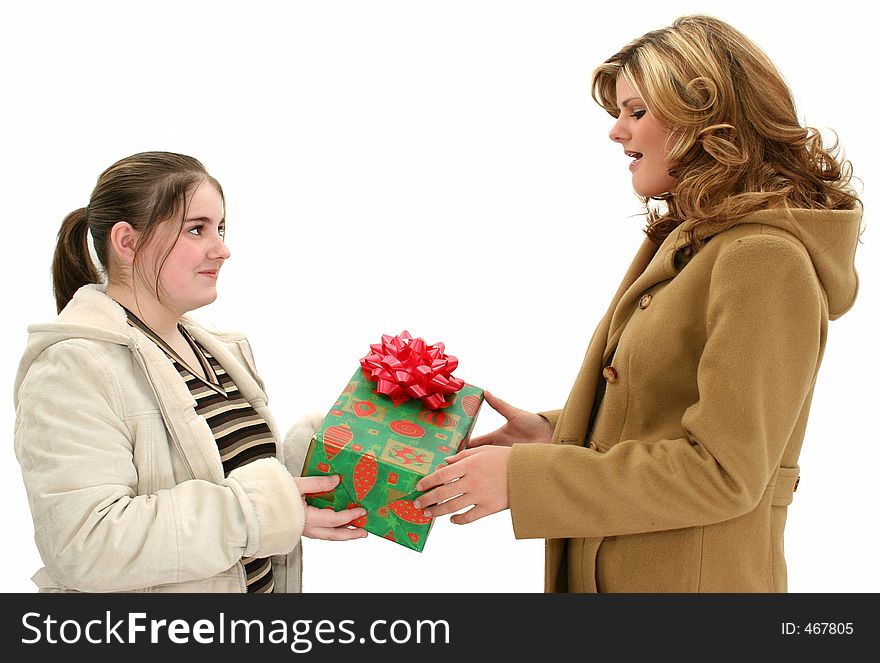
(645,302)
(610,374)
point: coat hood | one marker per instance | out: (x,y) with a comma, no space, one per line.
(87,316)
(90,315)
(831,238)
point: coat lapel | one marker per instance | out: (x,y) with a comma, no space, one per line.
(574,420)
(191,434)
(233,365)
(648,269)
(235,361)
(643,272)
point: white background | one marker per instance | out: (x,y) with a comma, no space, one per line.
(437,167)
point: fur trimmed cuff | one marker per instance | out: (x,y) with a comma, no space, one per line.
(272,507)
(296,442)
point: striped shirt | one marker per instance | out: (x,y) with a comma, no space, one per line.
(241,433)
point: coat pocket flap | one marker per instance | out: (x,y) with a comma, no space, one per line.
(787,479)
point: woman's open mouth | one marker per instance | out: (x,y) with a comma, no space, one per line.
(637,156)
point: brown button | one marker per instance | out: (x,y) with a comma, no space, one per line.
(610,374)
(645,301)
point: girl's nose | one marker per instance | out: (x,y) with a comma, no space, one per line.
(220,250)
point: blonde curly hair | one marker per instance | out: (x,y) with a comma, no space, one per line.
(736,143)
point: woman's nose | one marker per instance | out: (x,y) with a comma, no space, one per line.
(617,133)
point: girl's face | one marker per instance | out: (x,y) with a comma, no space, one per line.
(645,140)
(188,276)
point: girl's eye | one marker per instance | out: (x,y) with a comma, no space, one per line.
(639,114)
(198,231)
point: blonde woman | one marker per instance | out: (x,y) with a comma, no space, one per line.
(673,462)
(149,455)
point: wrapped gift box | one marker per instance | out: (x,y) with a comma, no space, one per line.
(381,446)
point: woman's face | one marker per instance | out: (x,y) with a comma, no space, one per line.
(645,140)
(188,276)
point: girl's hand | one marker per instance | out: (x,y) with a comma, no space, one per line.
(473,477)
(521,426)
(326,523)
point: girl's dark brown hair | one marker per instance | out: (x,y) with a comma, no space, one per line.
(145,190)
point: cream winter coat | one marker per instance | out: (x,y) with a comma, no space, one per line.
(124,479)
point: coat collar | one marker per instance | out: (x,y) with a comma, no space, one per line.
(93,315)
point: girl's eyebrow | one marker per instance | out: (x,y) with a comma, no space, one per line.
(197,218)
(627,102)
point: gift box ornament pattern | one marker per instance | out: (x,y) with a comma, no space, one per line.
(381,447)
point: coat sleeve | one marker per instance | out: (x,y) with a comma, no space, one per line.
(93,531)
(297,440)
(764,325)
(552,417)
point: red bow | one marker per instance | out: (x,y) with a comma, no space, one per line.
(404,367)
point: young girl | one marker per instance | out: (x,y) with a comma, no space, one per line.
(150,457)
(672,464)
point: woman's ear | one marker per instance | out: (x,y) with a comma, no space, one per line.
(123,240)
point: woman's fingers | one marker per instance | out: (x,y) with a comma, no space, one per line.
(474,477)
(470,515)
(436,478)
(440,494)
(481,440)
(464,453)
(496,437)
(503,408)
(449,506)
(512,431)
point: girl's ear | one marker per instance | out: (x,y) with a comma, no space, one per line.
(123,240)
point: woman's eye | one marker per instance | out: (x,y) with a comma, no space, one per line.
(639,114)
(221,231)
(195,230)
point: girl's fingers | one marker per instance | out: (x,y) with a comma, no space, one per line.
(338,533)
(313,485)
(329,518)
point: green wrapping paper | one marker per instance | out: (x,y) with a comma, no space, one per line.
(381,451)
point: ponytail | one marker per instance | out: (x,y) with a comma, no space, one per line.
(72,265)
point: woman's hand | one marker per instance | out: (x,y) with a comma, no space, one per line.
(326,523)
(473,477)
(521,426)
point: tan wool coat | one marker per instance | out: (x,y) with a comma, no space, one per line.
(708,364)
